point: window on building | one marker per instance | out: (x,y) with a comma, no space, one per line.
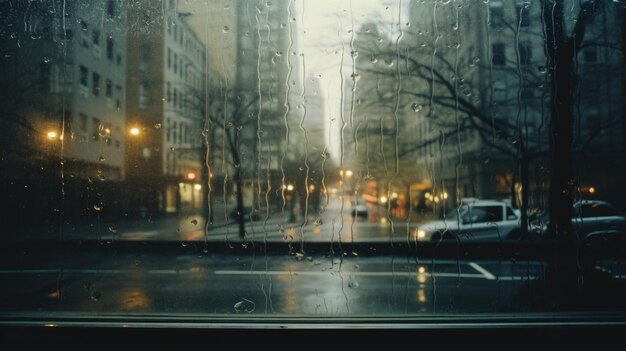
(499,91)
(525,54)
(83,77)
(590,54)
(111,8)
(144,98)
(523,15)
(82,122)
(496,14)
(95,129)
(84,34)
(109,89)
(498,57)
(110,48)
(95,84)
(95,37)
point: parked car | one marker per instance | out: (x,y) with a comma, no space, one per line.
(474,219)
(591,220)
(359,210)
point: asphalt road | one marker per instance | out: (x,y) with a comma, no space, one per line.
(260,285)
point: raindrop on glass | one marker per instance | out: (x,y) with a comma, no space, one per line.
(194,221)
(225,29)
(96,295)
(416,107)
(157,125)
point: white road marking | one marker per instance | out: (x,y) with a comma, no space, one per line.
(362,274)
(482,271)
(95,271)
(236,272)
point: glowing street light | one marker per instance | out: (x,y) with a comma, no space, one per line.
(191,176)
(134,131)
(52,135)
(348,173)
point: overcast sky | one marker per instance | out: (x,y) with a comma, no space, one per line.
(324,34)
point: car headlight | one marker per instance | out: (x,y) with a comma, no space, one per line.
(422,235)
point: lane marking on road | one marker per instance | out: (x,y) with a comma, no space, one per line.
(519,278)
(482,271)
(610,272)
(482,275)
(362,274)
(97,271)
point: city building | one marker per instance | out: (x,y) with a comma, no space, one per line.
(166,109)
(63,89)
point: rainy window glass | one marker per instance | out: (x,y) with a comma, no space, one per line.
(300,158)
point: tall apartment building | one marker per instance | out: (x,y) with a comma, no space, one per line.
(268,74)
(68,64)
(63,86)
(165,104)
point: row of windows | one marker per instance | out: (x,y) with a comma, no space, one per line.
(95,39)
(180,100)
(96,81)
(184,40)
(497,18)
(498,54)
(181,133)
(184,70)
(99,130)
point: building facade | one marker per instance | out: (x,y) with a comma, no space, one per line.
(166,104)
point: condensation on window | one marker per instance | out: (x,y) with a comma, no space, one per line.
(296,157)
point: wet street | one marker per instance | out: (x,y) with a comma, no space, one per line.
(260,285)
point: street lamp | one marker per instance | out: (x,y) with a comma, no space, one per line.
(134,131)
(52,135)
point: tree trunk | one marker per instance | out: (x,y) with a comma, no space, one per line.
(240,207)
